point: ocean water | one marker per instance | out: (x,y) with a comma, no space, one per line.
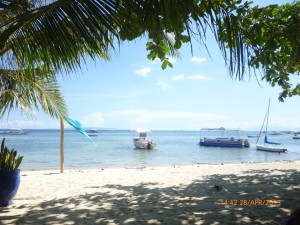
(40,149)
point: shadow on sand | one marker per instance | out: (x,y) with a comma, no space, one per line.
(197,203)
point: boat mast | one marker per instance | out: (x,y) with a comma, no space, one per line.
(268,117)
(262,126)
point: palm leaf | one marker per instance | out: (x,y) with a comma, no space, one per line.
(21,90)
(60,35)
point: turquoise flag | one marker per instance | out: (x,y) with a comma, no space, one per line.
(78,126)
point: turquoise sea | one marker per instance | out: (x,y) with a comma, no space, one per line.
(40,149)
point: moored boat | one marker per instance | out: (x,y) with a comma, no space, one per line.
(14,132)
(268,146)
(142,142)
(276,133)
(262,147)
(252,136)
(227,142)
(92,134)
(93,131)
(296,136)
(224,142)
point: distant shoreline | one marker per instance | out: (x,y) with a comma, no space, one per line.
(154,130)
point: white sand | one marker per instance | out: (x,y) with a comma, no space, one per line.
(263,193)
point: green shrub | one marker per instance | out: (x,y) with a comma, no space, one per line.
(8,158)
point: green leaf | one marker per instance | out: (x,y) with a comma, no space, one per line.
(177,44)
(151,55)
(8,159)
(164,65)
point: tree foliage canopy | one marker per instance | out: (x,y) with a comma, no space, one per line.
(273,35)
(61,34)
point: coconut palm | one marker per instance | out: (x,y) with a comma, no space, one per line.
(18,90)
(24,86)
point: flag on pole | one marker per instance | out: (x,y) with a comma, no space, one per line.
(78,126)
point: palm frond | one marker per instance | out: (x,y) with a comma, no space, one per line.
(61,34)
(21,90)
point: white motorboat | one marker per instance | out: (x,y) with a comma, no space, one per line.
(141,142)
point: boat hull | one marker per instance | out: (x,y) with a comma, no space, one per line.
(270,148)
(225,143)
(143,144)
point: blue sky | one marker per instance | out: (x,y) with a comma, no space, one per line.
(132,92)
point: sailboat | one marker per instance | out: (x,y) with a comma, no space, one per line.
(268,145)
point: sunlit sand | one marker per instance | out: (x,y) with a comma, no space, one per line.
(260,193)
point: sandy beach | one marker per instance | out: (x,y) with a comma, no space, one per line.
(244,193)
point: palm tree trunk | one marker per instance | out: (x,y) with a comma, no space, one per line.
(62,158)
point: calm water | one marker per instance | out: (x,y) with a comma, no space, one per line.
(115,149)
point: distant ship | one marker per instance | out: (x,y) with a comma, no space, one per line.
(93,132)
(220,128)
(13,132)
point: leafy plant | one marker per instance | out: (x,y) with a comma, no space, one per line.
(8,158)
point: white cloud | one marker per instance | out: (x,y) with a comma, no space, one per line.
(94,120)
(178,77)
(128,119)
(194,77)
(279,122)
(171,120)
(198,77)
(124,113)
(133,118)
(198,60)
(163,85)
(143,72)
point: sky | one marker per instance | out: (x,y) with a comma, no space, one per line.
(132,92)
